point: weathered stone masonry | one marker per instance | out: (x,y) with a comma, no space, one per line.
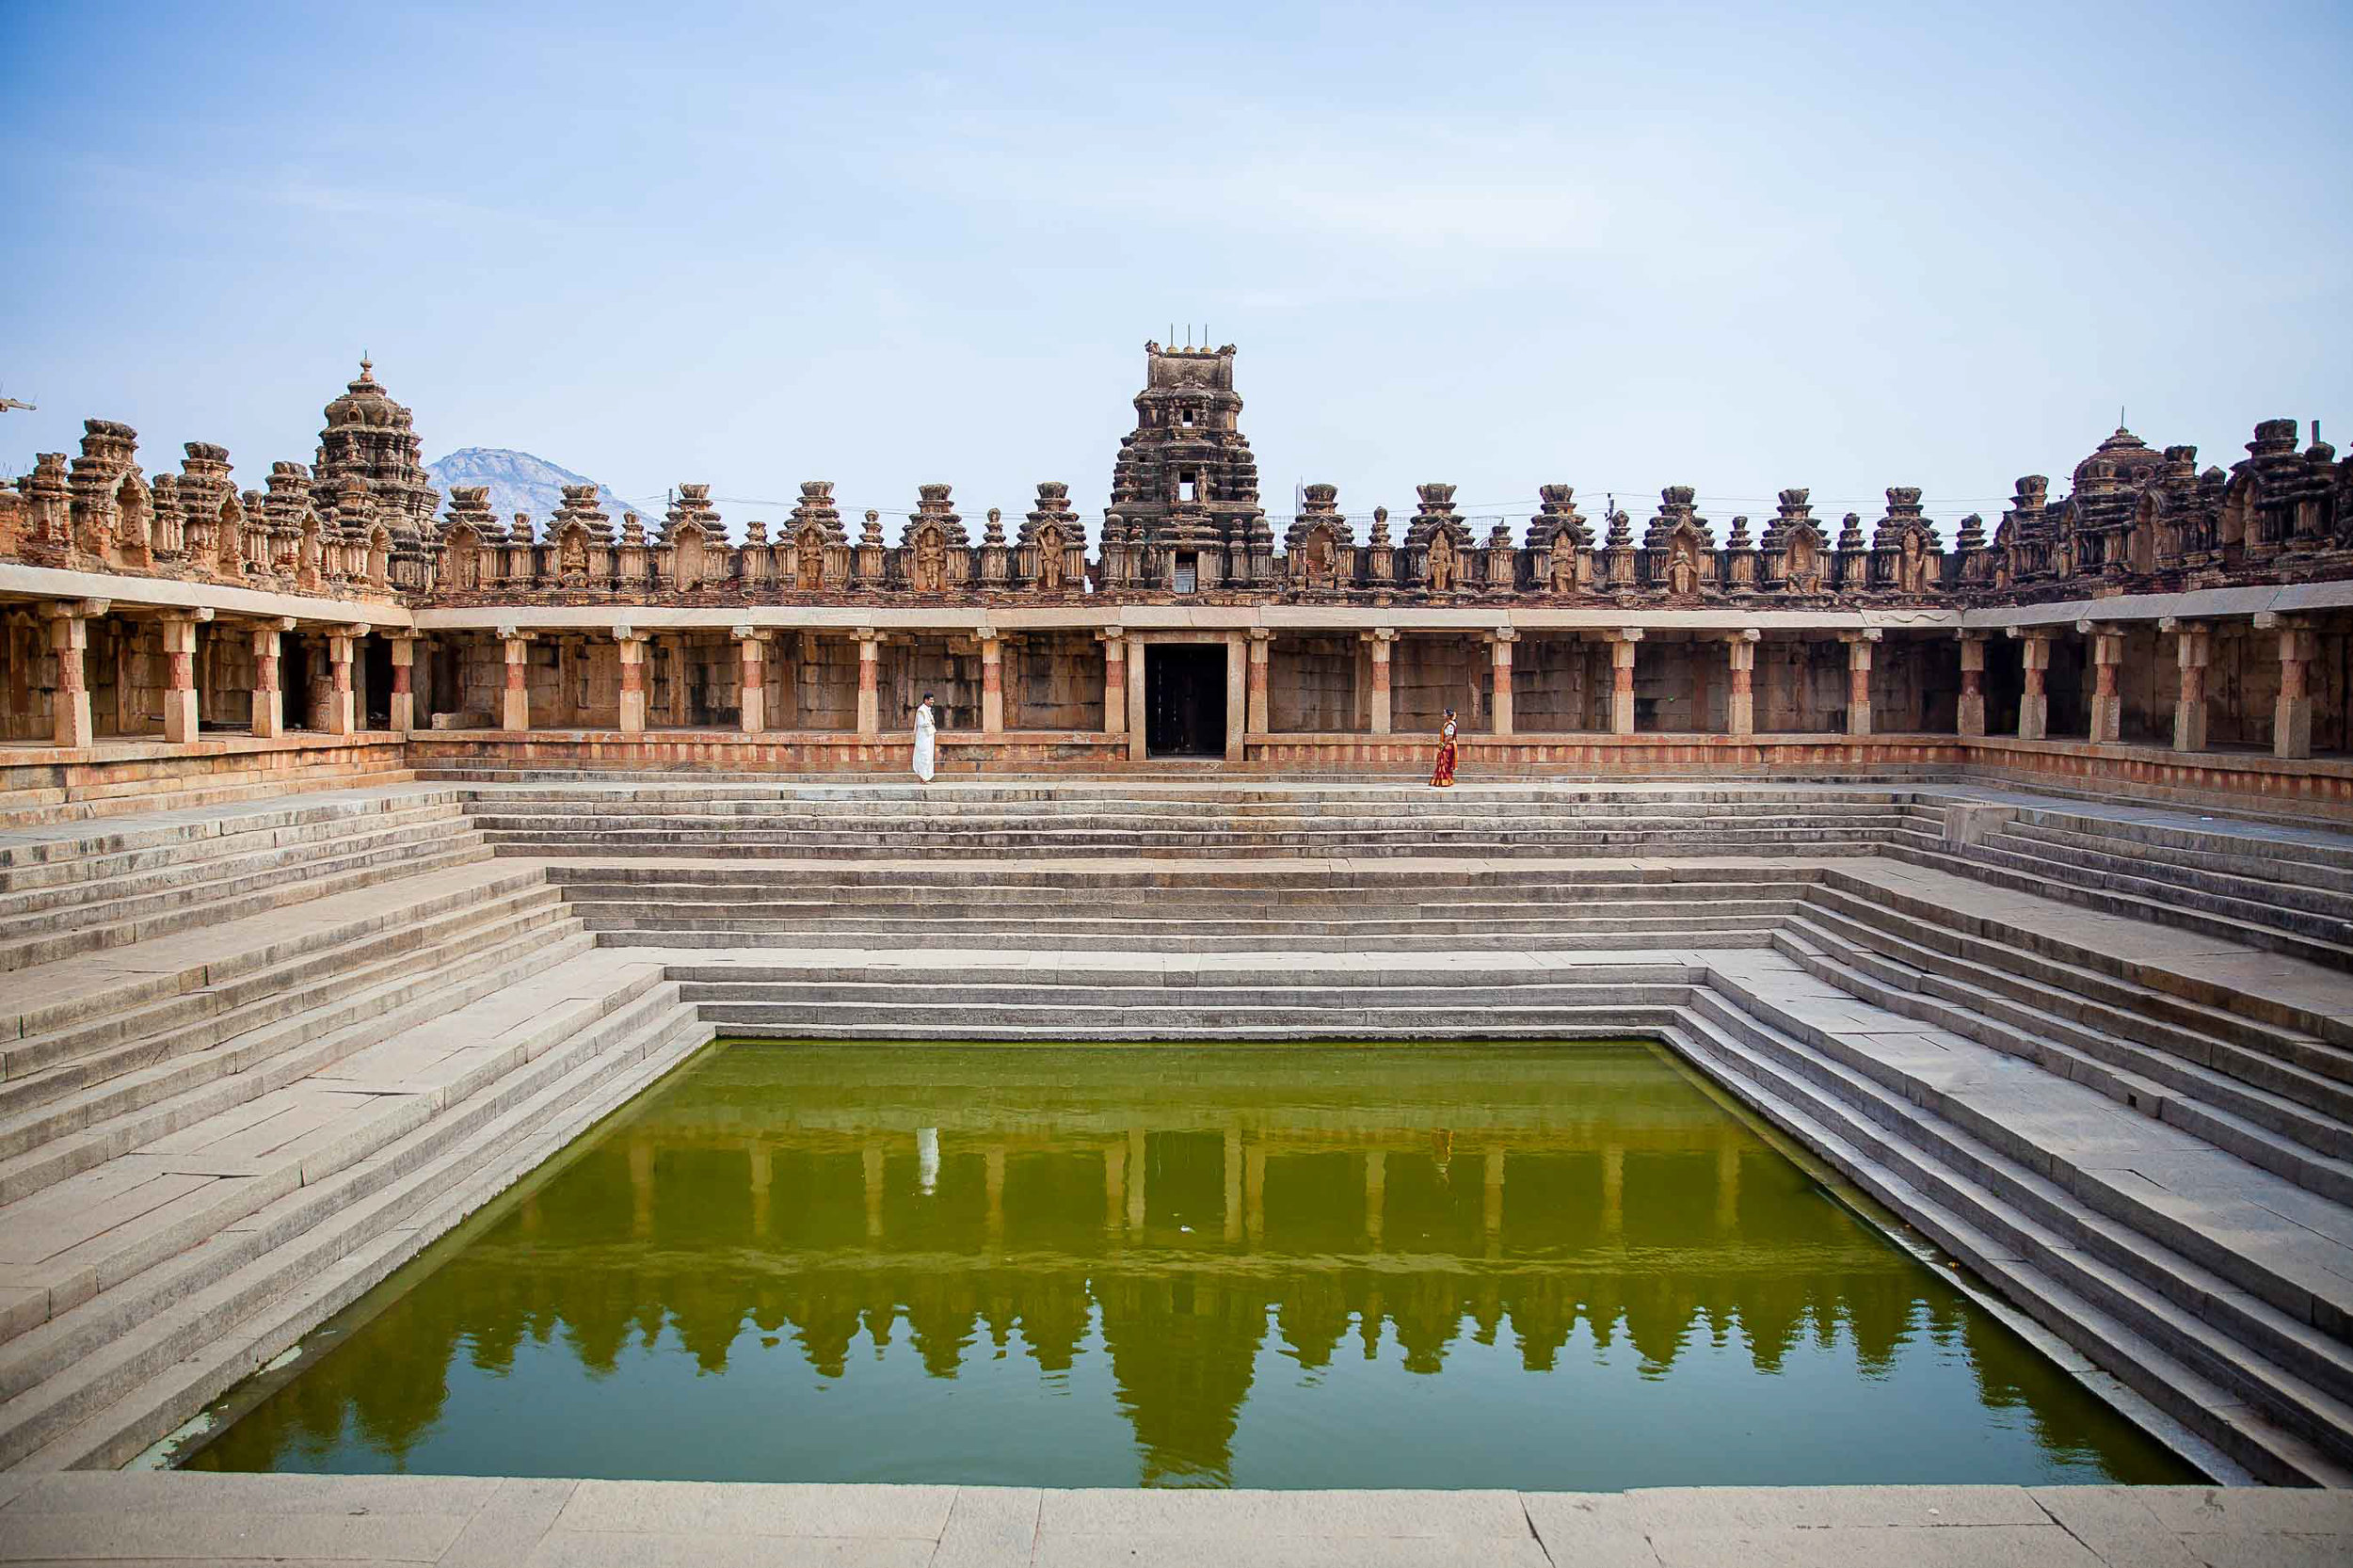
(2156,606)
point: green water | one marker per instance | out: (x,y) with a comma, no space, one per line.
(1538,1267)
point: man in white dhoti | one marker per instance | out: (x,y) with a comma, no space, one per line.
(926,740)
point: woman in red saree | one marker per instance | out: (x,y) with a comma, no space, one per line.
(1442,777)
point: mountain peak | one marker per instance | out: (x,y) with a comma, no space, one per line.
(520,482)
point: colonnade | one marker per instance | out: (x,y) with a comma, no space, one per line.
(2294,639)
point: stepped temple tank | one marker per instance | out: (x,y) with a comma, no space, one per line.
(1535,1266)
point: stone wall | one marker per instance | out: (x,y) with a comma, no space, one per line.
(1318,684)
(1054,680)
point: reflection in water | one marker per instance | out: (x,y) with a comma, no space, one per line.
(1559,1267)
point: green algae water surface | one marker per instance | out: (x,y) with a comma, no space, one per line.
(1542,1267)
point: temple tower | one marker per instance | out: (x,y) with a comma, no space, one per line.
(1185,513)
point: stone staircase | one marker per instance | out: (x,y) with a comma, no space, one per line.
(221,1121)
(1272,906)
(71,888)
(2288,889)
(747,821)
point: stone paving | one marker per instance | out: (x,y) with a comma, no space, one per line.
(462,1522)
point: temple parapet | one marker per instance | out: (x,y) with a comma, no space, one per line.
(1184,523)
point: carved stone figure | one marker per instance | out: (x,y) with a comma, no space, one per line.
(572,558)
(1912,569)
(1683,573)
(1050,561)
(1804,565)
(931,562)
(1441,562)
(1561,563)
(808,560)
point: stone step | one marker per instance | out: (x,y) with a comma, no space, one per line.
(47,807)
(100,1046)
(145,895)
(2258,1080)
(1437,895)
(279,894)
(2157,904)
(2144,1342)
(66,853)
(649,924)
(1257,877)
(2268,1132)
(2094,1162)
(1610,937)
(809,846)
(1368,817)
(2308,856)
(89,1232)
(72,991)
(104,1382)
(2285,1015)
(691,914)
(124,1114)
(1120,791)
(61,886)
(1433,1003)
(2138,864)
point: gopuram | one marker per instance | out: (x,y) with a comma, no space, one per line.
(2183,626)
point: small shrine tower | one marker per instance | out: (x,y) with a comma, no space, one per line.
(1184,515)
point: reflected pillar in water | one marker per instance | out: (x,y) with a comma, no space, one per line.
(1135,1180)
(996,1166)
(870,1164)
(1114,1187)
(1492,1208)
(640,1187)
(1727,1187)
(1254,1192)
(1233,1166)
(1612,1190)
(1376,1181)
(757,1153)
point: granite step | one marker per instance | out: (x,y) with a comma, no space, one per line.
(2272,1133)
(2134,866)
(68,852)
(123,1113)
(2149,901)
(101,1383)
(276,894)
(2162,1351)
(101,1045)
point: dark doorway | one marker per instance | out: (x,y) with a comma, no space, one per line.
(294,681)
(375,668)
(1184,701)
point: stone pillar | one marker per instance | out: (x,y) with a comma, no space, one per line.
(1259,639)
(69,638)
(2292,715)
(1114,678)
(754,704)
(269,708)
(1499,654)
(1237,693)
(992,680)
(1859,644)
(180,712)
(1383,638)
(515,706)
(1136,749)
(404,682)
(1622,678)
(2034,703)
(1970,718)
(342,716)
(868,683)
(1740,696)
(2107,704)
(2193,644)
(633,647)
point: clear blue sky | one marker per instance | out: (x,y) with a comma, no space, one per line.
(1616,245)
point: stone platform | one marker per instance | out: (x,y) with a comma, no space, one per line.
(459,1521)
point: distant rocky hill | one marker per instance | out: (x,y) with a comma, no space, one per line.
(520,482)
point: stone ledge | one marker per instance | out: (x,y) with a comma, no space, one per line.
(371,1520)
